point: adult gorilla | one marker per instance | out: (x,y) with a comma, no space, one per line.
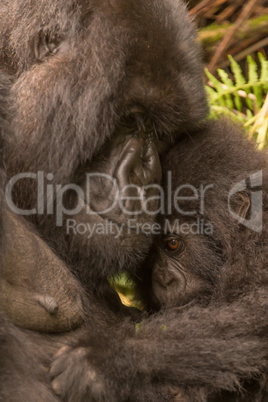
(95,86)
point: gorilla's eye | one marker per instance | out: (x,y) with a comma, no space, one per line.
(174,244)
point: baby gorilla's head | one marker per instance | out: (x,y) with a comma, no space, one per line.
(185,268)
(202,250)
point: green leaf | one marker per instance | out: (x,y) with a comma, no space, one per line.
(229,84)
(253,79)
(226,96)
(249,102)
(264,71)
(252,70)
(225,78)
(238,102)
(218,88)
(240,81)
(216,83)
(211,92)
(236,70)
(249,114)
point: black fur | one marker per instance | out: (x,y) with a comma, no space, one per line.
(215,348)
(217,281)
(85,76)
(110,63)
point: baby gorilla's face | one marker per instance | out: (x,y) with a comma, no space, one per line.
(185,269)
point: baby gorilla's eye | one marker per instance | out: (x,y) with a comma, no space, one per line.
(173,244)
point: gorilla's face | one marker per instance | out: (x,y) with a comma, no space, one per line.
(183,269)
(88,71)
(84,67)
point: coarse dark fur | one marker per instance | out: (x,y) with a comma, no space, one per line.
(101,85)
(215,281)
(4,129)
(82,72)
(215,348)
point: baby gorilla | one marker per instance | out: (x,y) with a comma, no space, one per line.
(209,264)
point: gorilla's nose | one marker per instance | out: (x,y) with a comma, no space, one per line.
(139,162)
(163,277)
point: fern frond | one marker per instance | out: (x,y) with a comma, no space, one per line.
(228,93)
(264,71)
(236,70)
(253,79)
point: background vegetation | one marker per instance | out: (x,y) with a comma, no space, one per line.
(234,38)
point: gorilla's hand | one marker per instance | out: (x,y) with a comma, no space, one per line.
(88,369)
(113,366)
(73,378)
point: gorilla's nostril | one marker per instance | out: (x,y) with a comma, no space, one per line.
(169,281)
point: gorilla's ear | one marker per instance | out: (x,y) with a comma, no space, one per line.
(45,44)
(240,204)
